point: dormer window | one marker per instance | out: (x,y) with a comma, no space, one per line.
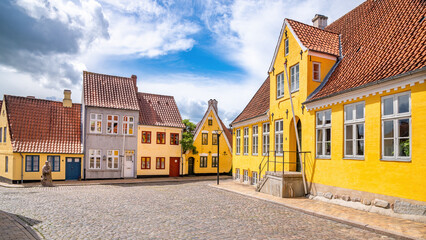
(286,47)
(316,72)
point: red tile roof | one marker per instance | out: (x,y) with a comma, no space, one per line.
(315,38)
(159,110)
(107,91)
(43,126)
(380,39)
(257,106)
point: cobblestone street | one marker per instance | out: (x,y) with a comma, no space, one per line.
(164,211)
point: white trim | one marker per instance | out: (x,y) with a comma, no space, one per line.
(321,55)
(365,92)
(353,123)
(203,154)
(313,71)
(262,118)
(214,154)
(210,118)
(204,131)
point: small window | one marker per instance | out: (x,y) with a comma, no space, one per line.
(145,162)
(279,137)
(246,141)
(55,163)
(146,137)
(95,123)
(238,142)
(254,178)
(205,139)
(294,76)
(6,162)
(1,134)
(174,138)
(246,176)
(161,138)
(161,163)
(255,140)
(323,134)
(32,163)
(280,85)
(112,124)
(203,162)
(354,130)
(210,122)
(214,161)
(286,47)
(112,159)
(316,72)
(128,125)
(5,134)
(237,174)
(214,138)
(265,136)
(94,159)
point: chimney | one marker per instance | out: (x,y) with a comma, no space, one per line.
(67,102)
(320,21)
(213,103)
(135,81)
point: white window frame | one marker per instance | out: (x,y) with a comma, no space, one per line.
(254,178)
(319,71)
(246,141)
(280,85)
(265,139)
(322,127)
(96,154)
(128,124)
(294,78)
(94,118)
(395,117)
(238,142)
(286,47)
(353,123)
(246,178)
(255,140)
(111,157)
(237,174)
(279,137)
(112,121)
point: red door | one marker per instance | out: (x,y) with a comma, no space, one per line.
(174,167)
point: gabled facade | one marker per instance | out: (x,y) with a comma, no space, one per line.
(206,141)
(34,131)
(358,95)
(159,134)
(110,120)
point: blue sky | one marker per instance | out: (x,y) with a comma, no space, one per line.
(193,50)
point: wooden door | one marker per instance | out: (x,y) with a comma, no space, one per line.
(174,167)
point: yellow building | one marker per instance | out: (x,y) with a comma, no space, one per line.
(34,131)
(358,105)
(206,142)
(159,134)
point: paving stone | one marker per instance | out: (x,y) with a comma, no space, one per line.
(328,195)
(408,208)
(381,203)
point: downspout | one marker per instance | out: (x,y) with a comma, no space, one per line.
(295,129)
(181,154)
(122,158)
(22,168)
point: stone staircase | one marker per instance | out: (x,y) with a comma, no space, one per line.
(285,185)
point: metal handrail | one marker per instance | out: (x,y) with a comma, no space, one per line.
(268,161)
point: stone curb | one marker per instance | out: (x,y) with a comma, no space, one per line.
(328,217)
(29,231)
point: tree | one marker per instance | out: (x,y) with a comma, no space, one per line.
(187,141)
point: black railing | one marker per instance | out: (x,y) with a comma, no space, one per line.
(267,160)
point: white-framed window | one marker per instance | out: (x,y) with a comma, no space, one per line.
(112,159)
(280,85)
(279,137)
(286,47)
(255,141)
(294,77)
(237,174)
(128,125)
(253,178)
(354,130)
(246,176)
(323,133)
(246,141)
(238,142)
(316,71)
(265,136)
(95,123)
(396,127)
(112,124)
(94,159)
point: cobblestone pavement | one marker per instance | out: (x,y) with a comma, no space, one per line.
(172,211)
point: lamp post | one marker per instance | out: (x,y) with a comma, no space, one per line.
(218,133)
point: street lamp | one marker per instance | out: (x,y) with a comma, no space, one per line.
(218,132)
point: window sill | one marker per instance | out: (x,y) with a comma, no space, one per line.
(354,158)
(316,80)
(322,157)
(237,154)
(245,154)
(254,154)
(279,97)
(294,91)
(395,159)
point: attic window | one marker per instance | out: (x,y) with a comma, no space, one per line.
(286,46)
(422,19)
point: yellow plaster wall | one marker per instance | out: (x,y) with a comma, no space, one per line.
(225,160)
(155,150)
(5,147)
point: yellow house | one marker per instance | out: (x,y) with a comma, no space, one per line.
(358,97)
(34,131)
(206,141)
(159,133)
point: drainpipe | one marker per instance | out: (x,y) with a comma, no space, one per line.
(122,159)
(181,154)
(22,168)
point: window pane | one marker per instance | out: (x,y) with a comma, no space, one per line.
(349,132)
(349,148)
(349,112)
(319,118)
(360,147)
(404,127)
(388,106)
(388,148)
(327,117)
(403,104)
(360,131)
(359,111)
(388,129)
(319,135)
(319,149)
(328,134)
(404,147)
(327,148)
(92,162)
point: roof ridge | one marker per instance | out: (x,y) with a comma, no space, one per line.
(154,94)
(115,76)
(312,26)
(40,99)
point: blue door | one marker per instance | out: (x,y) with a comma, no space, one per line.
(73,169)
